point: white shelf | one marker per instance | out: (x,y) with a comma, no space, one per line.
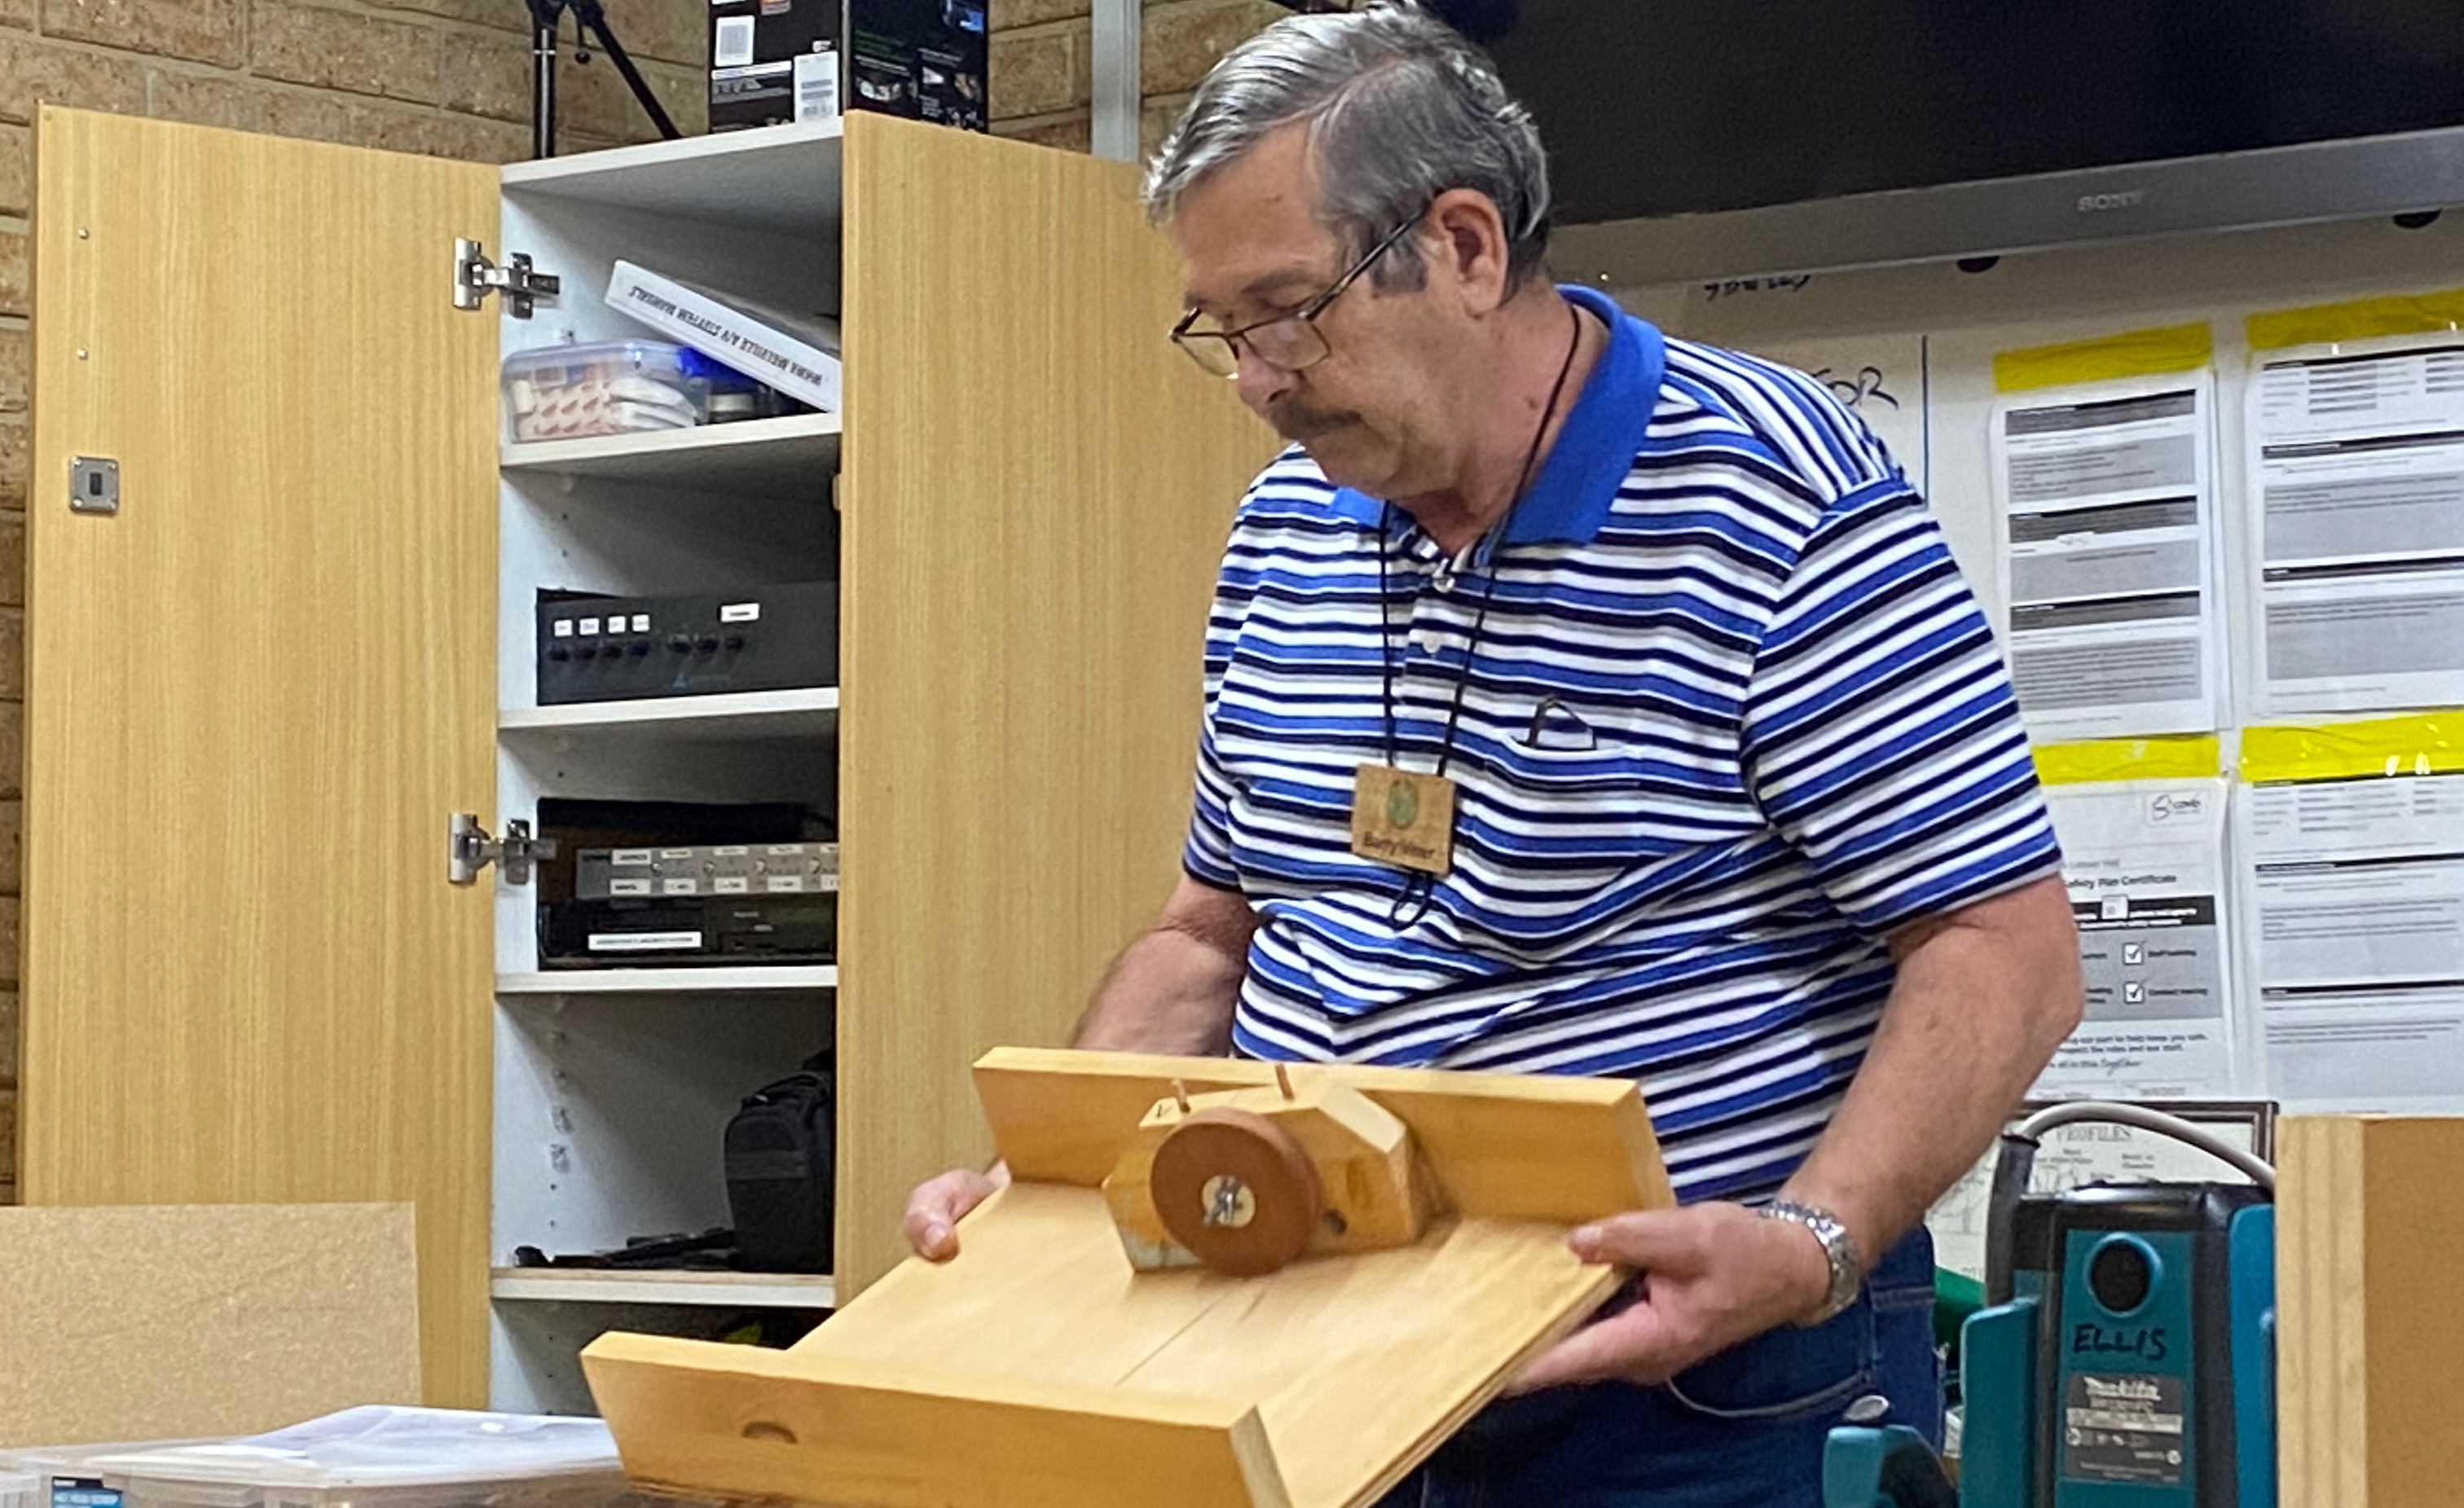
(780,178)
(601,1285)
(730,716)
(727,980)
(790,457)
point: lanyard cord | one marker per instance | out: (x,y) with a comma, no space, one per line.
(1420,886)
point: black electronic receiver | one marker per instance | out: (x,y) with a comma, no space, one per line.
(687,929)
(594,648)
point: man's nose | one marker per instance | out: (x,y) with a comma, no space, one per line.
(1259,383)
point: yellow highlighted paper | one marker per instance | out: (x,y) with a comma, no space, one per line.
(2356,319)
(2176,757)
(2417,743)
(2135,353)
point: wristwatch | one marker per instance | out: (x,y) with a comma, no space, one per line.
(1839,1249)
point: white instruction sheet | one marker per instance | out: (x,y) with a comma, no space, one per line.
(2354,895)
(2106,542)
(2356,497)
(2145,864)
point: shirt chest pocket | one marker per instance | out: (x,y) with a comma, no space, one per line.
(1576,788)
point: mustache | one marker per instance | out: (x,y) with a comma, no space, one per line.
(1301,423)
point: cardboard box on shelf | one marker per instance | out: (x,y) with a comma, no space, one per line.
(777,61)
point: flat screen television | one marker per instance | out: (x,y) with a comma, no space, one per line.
(1710,138)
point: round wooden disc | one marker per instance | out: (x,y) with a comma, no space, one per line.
(1237,1191)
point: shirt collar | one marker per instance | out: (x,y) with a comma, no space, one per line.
(1577,485)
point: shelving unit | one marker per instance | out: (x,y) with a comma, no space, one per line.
(738,717)
(713,1289)
(768,457)
(614,1086)
(752,980)
(1035,488)
(785,179)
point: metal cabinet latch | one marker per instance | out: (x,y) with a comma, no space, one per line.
(94,485)
(469,849)
(475,278)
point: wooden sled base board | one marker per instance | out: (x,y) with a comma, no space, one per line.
(1037,1369)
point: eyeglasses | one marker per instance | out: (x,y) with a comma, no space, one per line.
(1287,343)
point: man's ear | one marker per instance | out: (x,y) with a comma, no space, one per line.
(1465,239)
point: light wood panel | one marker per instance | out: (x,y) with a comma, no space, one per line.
(1358,1366)
(2371,1340)
(1511,1146)
(255,693)
(1036,495)
(1357,1363)
(915,1436)
(168,1322)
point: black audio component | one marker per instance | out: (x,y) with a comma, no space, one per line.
(594,648)
(632,933)
(585,921)
(602,874)
(580,825)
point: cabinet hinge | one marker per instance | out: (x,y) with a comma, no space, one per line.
(475,278)
(469,849)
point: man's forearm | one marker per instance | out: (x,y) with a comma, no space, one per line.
(1979,1009)
(1167,992)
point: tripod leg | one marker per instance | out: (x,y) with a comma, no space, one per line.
(589,14)
(544,90)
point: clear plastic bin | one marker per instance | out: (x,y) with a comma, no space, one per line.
(386,1456)
(568,392)
(20,1489)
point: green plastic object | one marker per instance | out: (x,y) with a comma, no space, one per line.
(1955,1297)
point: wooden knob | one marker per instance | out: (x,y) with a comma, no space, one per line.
(1237,1191)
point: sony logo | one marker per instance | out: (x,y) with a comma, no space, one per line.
(2127,199)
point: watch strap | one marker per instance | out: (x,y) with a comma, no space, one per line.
(1839,1249)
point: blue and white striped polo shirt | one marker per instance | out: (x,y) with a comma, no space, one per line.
(1734,715)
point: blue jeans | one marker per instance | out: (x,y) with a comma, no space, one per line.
(1743,1429)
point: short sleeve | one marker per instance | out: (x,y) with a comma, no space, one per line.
(1883,740)
(1207,854)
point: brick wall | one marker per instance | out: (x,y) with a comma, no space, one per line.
(1042,62)
(444,78)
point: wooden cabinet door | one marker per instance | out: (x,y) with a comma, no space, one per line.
(255,692)
(1036,492)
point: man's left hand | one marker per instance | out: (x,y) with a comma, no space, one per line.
(1713,1275)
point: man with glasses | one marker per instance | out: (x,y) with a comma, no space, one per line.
(1582,701)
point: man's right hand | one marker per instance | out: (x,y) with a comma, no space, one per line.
(937,1205)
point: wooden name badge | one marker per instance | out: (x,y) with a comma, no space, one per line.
(1211,1283)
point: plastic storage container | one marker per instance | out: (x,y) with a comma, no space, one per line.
(20,1489)
(384,1457)
(567,392)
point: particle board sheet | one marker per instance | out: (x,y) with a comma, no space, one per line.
(2370,1341)
(1315,1386)
(156,1321)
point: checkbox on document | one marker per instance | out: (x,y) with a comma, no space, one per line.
(2134,952)
(2133,993)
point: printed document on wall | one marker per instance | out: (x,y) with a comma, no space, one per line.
(2145,864)
(2106,546)
(2355,901)
(2355,471)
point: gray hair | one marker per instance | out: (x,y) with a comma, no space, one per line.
(1399,108)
